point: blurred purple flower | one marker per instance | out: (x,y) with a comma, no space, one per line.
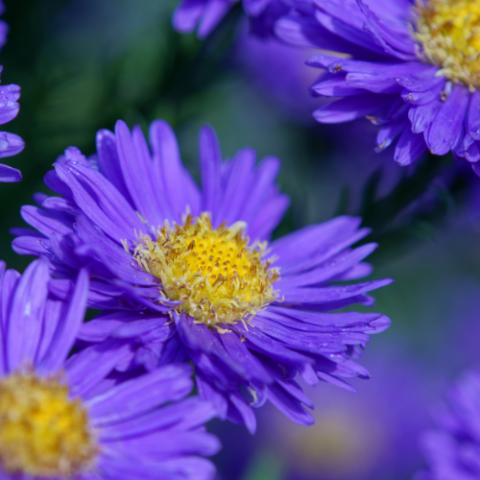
(363,436)
(398,67)
(453,450)
(205,15)
(123,216)
(279,72)
(69,418)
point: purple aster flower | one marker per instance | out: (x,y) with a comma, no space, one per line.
(70,418)
(410,67)
(453,450)
(191,274)
(205,15)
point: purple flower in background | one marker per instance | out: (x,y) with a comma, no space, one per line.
(410,67)
(192,276)
(453,450)
(205,15)
(70,418)
(364,436)
(279,72)
(355,437)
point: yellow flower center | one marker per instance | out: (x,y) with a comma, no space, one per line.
(216,275)
(43,433)
(449,31)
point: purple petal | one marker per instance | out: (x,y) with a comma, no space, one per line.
(9,174)
(187,14)
(474,116)
(350,108)
(410,146)
(210,160)
(26,315)
(212,395)
(137,171)
(388,133)
(422,116)
(422,97)
(245,411)
(101,201)
(334,267)
(353,34)
(237,188)
(378,83)
(445,129)
(9,287)
(47,223)
(316,296)
(129,399)
(67,328)
(109,163)
(179,188)
(307,32)
(255,7)
(269,217)
(290,407)
(9,107)
(106,356)
(313,245)
(188,414)
(334,85)
(265,175)
(400,46)
(10,144)
(213,13)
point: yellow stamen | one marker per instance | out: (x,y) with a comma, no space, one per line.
(216,275)
(43,433)
(449,31)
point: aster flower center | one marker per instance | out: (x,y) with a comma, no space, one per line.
(43,433)
(215,273)
(449,31)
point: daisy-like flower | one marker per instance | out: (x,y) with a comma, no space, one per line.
(413,68)
(453,450)
(192,275)
(71,418)
(205,15)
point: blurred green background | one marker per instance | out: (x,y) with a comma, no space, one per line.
(83,64)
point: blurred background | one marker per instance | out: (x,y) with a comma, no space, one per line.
(83,64)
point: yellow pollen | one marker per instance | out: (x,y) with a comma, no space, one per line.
(193,261)
(43,433)
(449,31)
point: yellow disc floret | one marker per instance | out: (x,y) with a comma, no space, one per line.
(449,31)
(43,433)
(215,273)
